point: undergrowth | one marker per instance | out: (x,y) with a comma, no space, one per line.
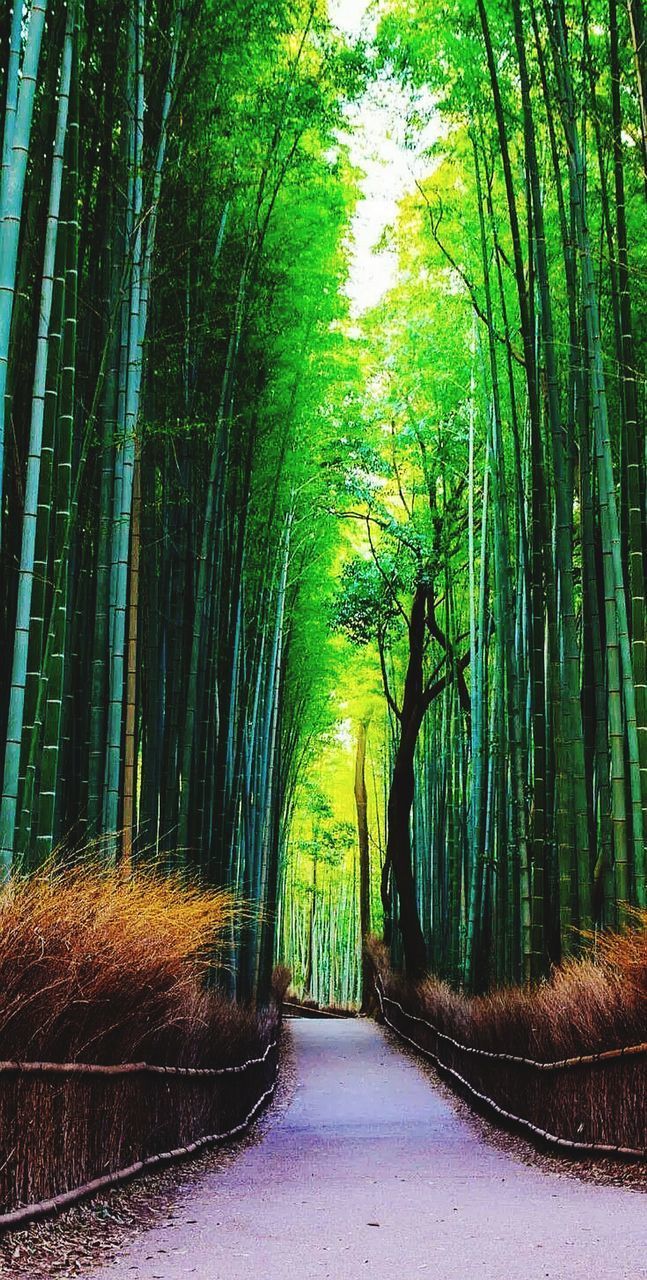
(100,967)
(586,1005)
(97,967)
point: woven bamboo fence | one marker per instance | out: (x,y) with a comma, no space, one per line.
(591,1104)
(70,1130)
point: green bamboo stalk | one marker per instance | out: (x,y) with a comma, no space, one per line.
(636,514)
(56,666)
(26,573)
(637,28)
(15,152)
(575,784)
(604,459)
(503,602)
(41,591)
(11,90)
(126,450)
(479,745)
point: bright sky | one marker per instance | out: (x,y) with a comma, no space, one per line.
(377,147)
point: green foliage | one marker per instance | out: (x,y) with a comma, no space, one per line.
(364,606)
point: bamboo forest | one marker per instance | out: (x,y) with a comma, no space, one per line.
(323,472)
(323,692)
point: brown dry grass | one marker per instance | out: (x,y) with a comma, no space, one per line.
(100,968)
(586,1005)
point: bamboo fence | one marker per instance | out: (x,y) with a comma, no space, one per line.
(71,1130)
(590,1104)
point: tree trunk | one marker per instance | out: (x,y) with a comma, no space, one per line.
(361,804)
(398,846)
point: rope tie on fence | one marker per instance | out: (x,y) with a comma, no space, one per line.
(590,1148)
(130,1068)
(580,1060)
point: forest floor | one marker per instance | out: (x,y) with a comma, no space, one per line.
(369,1170)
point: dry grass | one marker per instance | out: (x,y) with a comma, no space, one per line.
(95,967)
(586,1006)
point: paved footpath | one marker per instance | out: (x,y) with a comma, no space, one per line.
(371,1173)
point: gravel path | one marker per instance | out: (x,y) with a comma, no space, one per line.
(371,1172)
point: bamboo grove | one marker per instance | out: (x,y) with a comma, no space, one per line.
(171,209)
(491,482)
(499,478)
(345,611)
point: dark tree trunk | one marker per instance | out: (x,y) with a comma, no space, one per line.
(399,853)
(361,805)
(398,847)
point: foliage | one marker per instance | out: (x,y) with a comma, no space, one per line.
(160,561)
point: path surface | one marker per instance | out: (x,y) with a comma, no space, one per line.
(370,1172)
